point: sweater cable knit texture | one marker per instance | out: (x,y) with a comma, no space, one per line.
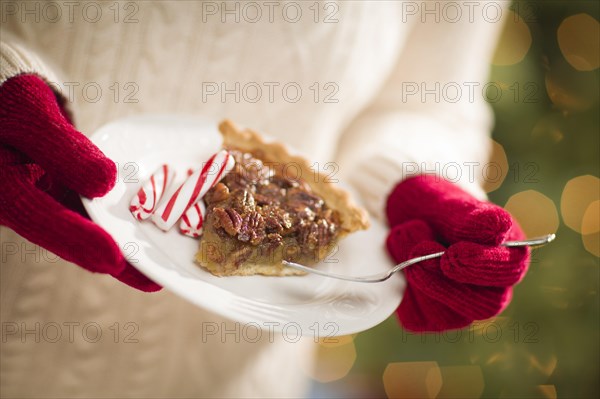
(168,57)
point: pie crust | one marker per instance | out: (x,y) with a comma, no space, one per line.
(351,217)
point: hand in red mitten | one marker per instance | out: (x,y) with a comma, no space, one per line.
(473,280)
(44,163)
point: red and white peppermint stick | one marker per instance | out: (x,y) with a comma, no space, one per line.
(193,189)
(147,198)
(193,219)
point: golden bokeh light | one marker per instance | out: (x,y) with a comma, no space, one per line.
(590,228)
(514,42)
(496,169)
(571,92)
(548,127)
(336,341)
(535,212)
(577,195)
(591,219)
(545,367)
(579,41)
(497,357)
(483,327)
(461,382)
(547,391)
(412,380)
(334,360)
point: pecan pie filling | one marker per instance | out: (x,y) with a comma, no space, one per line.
(262,213)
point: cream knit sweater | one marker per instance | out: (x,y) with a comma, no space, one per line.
(371,86)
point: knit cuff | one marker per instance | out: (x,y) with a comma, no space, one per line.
(16,60)
(396,147)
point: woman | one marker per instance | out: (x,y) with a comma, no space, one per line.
(370,86)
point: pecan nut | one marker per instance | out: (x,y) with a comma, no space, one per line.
(218,193)
(243,200)
(252,229)
(228,219)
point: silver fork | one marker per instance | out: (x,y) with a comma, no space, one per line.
(383,276)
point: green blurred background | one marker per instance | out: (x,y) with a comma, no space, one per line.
(546,344)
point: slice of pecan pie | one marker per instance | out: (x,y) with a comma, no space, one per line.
(272,206)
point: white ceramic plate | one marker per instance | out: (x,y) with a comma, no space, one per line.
(310,305)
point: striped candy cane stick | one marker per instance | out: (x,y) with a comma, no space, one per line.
(147,198)
(193,189)
(193,219)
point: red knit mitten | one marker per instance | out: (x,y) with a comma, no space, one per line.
(44,163)
(473,280)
